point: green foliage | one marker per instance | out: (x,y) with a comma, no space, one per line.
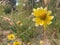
(24,38)
(7,10)
(13,29)
(25,32)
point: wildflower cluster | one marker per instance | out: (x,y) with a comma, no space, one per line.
(12,37)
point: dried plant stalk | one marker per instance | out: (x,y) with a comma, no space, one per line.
(46,2)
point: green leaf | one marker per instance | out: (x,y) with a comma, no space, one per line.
(24,37)
(13,29)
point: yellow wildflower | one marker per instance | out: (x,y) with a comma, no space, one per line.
(8,44)
(41,42)
(19,22)
(42,16)
(28,43)
(11,37)
(16,43)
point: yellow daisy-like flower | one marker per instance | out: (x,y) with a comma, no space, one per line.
(11,37)
(42,16)
(16,43)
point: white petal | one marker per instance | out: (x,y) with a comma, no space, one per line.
(32,13)
(41,24)
(17,4)
(33,19)
(38,8)
(34,9)
(41,7)
(36,25)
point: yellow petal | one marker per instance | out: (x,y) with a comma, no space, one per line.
(36,13)
(43,11)
(45,8)
(41,22)
(37,20)
(50,17)
(49,23)
(49,12)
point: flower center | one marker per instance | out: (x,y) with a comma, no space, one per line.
(11,37)
(43,16)
(17,44)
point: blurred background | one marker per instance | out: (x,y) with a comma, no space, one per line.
(16,18)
